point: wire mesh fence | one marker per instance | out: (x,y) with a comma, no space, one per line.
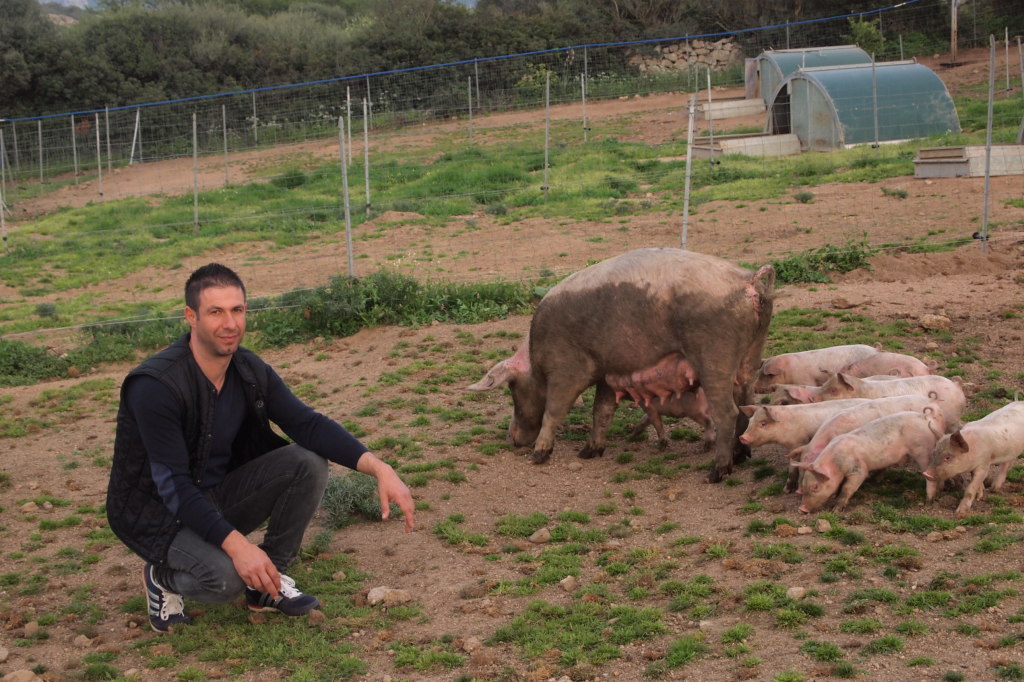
(542,106)
(48,147)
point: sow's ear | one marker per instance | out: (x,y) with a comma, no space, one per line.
(496,376)
(748,410)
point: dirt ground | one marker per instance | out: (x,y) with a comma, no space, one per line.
(979,292)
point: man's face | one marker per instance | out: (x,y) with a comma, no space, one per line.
(219,324)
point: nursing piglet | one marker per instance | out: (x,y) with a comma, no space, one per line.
(808,367)
(886,363)
(692,404)
(995,440)
(879,444)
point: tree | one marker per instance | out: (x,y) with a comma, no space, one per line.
(28,45)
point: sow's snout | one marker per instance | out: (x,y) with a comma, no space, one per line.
(520,432)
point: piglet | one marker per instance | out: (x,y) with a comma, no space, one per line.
(852,418)
(809,367)
(995,440)
(789,425)
(881,443)
(894,364)
(692,404)
(948,393)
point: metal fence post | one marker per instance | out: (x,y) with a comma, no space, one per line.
(988,140)
(689,166)
(99,157)
(366,155)
(3,190)
(106,124)
(40,129)
(344,196)
(224,125)
(547,129)
(348,119)
(195,174)
(74,148)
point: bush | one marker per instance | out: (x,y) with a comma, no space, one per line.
(22,364)
(348,497)
(814,265)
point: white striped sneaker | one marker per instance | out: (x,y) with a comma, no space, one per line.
(166,608)
(290,602)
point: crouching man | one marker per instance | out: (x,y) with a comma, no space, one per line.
(197,466)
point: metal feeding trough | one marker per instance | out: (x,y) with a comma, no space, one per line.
(754,144)
(968,161)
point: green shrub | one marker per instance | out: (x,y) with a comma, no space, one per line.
(814,265)
(290,179)
(22,364)
(349,496)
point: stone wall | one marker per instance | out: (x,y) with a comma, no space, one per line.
(718,55)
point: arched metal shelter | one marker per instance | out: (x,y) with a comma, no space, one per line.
(831,107)
(774,66)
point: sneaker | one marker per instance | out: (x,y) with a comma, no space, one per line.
(291,601)
(166,608)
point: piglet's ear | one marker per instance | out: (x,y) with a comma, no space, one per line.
(957,440)
(748,410)
(820,474)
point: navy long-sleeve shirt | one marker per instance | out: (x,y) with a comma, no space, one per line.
(159,419)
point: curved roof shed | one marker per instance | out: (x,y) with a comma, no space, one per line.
(831,107)
(774,66)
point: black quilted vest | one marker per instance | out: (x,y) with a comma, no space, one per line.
(135,511)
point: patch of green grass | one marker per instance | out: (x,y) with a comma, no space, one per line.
(782,550)
(321,652)
(861,626)
(688,594)
(583,632)
(449,531)
(684,650)
(518,526)
(737,633)
(1009,671)
(929,600)
(789,676)
(429,657)
(826,652)
(889,644)
(912,628)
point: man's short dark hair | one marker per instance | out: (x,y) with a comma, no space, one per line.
(212,275)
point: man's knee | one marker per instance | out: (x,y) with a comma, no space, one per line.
(308,465)
(226,587)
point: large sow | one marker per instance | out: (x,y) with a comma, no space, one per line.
(650,323)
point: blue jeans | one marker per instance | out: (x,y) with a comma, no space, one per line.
(283,487)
